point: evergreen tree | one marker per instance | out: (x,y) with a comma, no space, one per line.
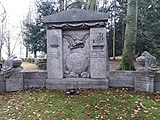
(35,33)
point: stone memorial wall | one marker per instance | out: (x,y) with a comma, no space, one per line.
(77,57)
(76,48)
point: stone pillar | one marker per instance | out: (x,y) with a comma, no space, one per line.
(98,53)
(14,82)
(150,81)
(54,53)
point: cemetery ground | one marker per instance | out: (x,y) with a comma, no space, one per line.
(29,66)
(113,104)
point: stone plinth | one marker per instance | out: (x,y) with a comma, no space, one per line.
(2,83)
(71,83)
(14,82)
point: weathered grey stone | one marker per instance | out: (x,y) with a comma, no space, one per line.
(10,65)
(157,82)
(34,79)
(121,79)
(14,82)
(98,68)
(71,83)
(98,53)
(77,63)
(54,53)
(75,15)
(2,83)
(150,61)
(140,63)
(76,53)
(140,81)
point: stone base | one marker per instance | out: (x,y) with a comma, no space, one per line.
(2,83)
(14,82)
(73,83)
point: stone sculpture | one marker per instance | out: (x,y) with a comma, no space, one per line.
(148,61)
(10,65)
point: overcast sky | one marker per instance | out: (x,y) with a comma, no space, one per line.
(16,11)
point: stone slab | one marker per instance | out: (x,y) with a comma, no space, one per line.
(14,82)
(121,79)
(54,53)
(34,79)
(71,83)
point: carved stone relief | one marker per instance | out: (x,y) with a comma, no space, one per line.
(77,65)
(76,42)
(76,53)
(97,45)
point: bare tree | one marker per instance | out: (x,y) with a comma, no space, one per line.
(2,19)
(27,20)
(10,41)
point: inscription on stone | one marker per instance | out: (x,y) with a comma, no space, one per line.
(98,43)
(98,58)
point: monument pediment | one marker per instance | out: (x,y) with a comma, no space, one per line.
(75,16)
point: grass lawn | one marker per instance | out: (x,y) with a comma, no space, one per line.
(113,104)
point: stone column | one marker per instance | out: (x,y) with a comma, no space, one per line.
(98,53)
(54,54)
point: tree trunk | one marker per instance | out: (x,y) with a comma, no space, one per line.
(0,53)
(9,48)
(35,54)
(27,51)
(127,62)
(114,32)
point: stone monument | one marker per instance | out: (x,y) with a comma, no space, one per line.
(77,54)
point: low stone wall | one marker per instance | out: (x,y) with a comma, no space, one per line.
(34,79)
(121,79)
(137,80)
